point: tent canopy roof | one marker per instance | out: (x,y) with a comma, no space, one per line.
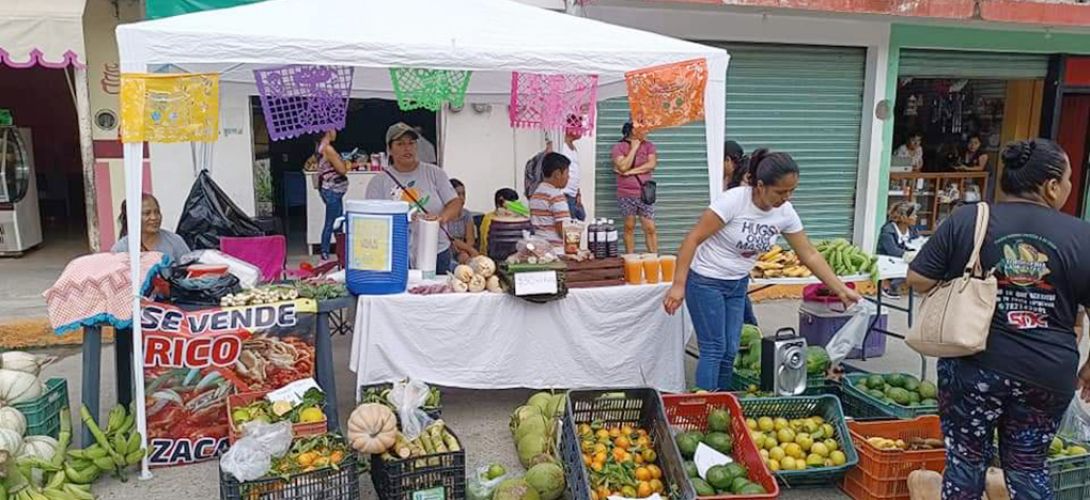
(490,37)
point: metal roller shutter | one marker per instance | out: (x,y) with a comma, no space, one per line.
(806,101)
(922,63)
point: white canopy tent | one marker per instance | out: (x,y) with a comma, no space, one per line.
(491,38)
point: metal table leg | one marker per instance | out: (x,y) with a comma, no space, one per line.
(123,363)
(92,361)
(326,380)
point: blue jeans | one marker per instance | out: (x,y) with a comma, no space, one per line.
(575,209)
(717,308)
(442,262)
(334,208)
(749,317)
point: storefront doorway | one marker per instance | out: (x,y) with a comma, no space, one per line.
(50,208)
(954,112)
(1074,137)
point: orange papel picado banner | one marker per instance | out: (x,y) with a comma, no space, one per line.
(668,95)
(170,107)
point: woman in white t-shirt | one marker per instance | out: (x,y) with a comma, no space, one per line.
(717,255)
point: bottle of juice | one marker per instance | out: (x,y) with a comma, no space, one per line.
(611,239)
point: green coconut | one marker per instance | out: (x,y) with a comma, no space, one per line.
(547,479)
(543,458)
(522,413)
(515,489)
(558,404)
(533,425)
(541,400)
(529,447)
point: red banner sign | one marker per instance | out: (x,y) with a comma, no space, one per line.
(193,360)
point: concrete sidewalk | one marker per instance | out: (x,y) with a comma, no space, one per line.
(480,417)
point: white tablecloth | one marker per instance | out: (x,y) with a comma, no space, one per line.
(600,337)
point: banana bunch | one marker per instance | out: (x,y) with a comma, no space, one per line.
(115,449)
(33,478)
(847,259)
(778,263)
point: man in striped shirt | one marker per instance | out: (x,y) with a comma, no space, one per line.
(548,205)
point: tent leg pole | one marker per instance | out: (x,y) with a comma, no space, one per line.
(87,156)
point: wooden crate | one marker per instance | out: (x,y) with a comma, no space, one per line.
(595,273)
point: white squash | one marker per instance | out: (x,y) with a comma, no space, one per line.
(476,284)
(463,273)
(18,387)
(10,445)
(12,419)
(372,428)
(483,266)
(493,284)
(43,447)
(24,362)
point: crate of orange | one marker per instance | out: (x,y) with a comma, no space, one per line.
(307,417)
(689,412)
(888,452)
(618,443)
(315,468)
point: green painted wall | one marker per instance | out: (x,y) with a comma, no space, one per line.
(906,36)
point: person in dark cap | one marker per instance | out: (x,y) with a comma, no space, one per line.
(423,185)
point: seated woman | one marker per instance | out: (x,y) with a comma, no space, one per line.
(463,234)
(153,238)
(894,238)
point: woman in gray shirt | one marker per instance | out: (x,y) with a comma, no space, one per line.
(153,238)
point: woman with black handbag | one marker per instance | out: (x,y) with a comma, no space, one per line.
(1008,360)
(634,161)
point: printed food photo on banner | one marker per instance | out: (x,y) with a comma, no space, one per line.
(194,360)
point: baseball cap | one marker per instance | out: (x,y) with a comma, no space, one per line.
(399,129)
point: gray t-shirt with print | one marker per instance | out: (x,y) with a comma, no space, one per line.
(428,184)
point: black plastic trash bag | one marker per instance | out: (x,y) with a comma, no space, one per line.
(209,213)
(205,291)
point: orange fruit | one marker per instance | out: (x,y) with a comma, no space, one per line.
(626,430)
(594,495)
(601,448)
(644,490)
(656,472)
(639,459)
(306,459)
(627,457)
(597,466)
(643,442)
(649,455)
(615,433)
(586,459)
(622,442)
(641,432)
(618,454)
(603,492)
(642,474)
(657,486)
(336,457)
(600,456)
(602,434)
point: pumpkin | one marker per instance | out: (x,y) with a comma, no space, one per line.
(24,362)
(372,428)
(476,284)
(43,447)
(10,444)
(12,419)
(924,485)
(18,387)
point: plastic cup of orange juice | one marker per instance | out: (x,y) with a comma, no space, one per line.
(650,267)
(633,270)
(668,263)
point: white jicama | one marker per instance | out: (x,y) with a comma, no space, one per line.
(43,447)
(12,419)
(18,387)
(24,362)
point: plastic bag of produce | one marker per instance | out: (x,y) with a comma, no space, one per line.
(484,481)
(851,335)
(409,397)
(1075,425)
(250,457)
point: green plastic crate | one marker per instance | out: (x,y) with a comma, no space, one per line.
(43,415)
(892,409)
(857,408)
(828,407)
(1070,475)
(816,385)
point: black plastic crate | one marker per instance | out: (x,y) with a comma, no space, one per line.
(641,407)
(341,483)
(445,473)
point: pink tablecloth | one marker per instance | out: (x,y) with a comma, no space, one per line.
(96,289)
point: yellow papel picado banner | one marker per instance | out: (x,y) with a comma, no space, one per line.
(170,107)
